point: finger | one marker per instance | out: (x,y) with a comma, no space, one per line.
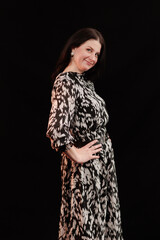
(97,150)
(95,157)
(96,146)
(91,143)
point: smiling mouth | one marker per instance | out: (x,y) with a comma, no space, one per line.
(89,63)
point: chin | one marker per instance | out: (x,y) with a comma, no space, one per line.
(85,69)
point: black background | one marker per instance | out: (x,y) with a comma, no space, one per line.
(32,36)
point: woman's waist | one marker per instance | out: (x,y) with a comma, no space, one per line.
(81,141)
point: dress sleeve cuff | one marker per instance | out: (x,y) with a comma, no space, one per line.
(62,145)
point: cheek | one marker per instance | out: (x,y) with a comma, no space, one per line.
(79,59)
(96,61)
(80,55)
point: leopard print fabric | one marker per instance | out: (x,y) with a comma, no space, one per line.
(90,208)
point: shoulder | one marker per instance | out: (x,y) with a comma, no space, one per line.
(66,82)
(68,78)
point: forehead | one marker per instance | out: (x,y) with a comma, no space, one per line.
(95,44)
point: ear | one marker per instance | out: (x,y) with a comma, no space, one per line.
(73,50)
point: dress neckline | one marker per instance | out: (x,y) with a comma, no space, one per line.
(75,73)
(81,77)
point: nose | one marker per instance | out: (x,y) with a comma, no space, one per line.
(93,58)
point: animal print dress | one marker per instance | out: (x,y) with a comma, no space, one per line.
(90,208)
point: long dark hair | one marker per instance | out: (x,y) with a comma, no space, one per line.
(76,40)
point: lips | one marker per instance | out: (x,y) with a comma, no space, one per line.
(89,63)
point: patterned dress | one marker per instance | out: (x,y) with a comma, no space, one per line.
(90,208)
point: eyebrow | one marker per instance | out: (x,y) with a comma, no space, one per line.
(93,49)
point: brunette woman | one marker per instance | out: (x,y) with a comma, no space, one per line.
(90,208)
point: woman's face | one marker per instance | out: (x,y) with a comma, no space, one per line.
(85,56)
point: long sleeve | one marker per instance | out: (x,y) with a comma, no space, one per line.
(61,113)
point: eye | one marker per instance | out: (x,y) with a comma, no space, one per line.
(89,49)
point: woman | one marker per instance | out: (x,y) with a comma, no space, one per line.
(90,207)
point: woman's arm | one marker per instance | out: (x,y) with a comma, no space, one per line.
(61,113)
(84,154)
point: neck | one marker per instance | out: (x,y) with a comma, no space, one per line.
(72,68)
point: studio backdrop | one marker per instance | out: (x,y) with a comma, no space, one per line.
(32,36)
